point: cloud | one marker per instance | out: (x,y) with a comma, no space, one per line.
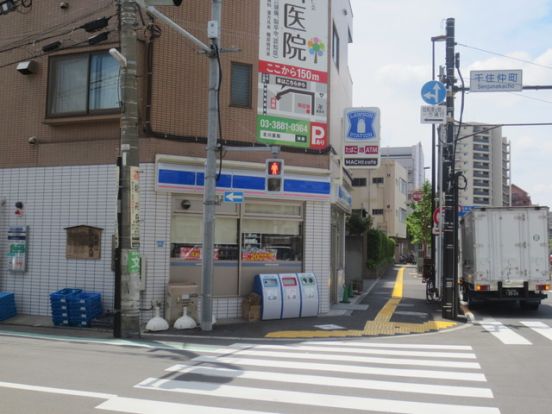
(390,60)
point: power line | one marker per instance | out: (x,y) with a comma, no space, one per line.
(530,97)
(25,38)
(506,56)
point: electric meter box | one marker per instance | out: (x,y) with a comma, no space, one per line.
(269,289)
(291,295)
(309,294)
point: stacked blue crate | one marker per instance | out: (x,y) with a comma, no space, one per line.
(83,307)
(60,305)
(7,305)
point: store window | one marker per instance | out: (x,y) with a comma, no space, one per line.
(83,84)
(187,236)
(271,233)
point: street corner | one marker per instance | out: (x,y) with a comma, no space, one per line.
(389,321)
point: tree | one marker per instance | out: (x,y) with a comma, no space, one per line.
(357,225)
(420,221)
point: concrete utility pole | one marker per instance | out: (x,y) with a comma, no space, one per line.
(450,261)
(127,317)
(209,195)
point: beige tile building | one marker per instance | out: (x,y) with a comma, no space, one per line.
(382,193)
(60,132)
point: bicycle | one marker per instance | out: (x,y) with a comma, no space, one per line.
(432,293)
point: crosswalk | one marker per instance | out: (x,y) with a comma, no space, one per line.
(516,332)
(323,377)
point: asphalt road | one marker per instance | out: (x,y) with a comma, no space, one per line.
(500,364)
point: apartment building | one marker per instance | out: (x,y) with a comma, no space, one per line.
(520,197)
(483,155)
(411,158)
(60,138)
(383,194)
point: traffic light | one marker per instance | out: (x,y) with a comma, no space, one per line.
(274,174)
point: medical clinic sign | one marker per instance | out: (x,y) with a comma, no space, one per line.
(361,143)
(293,77)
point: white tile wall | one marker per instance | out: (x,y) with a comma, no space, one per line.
(55,198)
(318,248)
(155,216)
(60,197)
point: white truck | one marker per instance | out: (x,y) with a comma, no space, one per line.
(504,255)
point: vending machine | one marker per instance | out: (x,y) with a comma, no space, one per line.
(309,294)
(269,289)
(291,295)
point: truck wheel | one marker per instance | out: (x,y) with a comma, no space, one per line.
(528,305)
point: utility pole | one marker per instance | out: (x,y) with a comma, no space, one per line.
(450,261)
(209,195)
(127,293)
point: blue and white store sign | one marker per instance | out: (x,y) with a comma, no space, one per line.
(183,178)
(361,142)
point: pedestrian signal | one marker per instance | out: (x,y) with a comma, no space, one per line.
(274,174)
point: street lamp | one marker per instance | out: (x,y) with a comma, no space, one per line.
(440,38)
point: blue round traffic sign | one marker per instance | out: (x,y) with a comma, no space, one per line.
(434,92)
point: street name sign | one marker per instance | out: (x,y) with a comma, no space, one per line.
(434,92)
(233,196)
(496,80)
(433,114)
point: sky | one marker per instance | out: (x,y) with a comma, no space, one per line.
(390,59)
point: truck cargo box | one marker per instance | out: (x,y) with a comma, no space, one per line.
(505,253)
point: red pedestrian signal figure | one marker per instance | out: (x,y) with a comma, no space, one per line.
(274,173)
(275,168)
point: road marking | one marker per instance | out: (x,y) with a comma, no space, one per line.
(339,351)
(381,325)
(360,359)
(412,313)
(502,332)
(457,391)
(358,344)
(346,369)
(139,406)
(51,390)
(539,327)
(341,402)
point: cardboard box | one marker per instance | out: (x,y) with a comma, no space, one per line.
(251,312)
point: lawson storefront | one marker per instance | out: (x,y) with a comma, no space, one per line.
(287,231)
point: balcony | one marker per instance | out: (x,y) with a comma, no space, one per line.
(481,157)
(480,200)
(481,139)
(481,183)
(481,174)
(482,148)
(481,165)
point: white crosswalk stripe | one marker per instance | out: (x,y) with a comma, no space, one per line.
(539,327)
(321,376)
(502,332)
(515,332)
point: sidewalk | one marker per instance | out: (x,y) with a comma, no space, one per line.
(392,305)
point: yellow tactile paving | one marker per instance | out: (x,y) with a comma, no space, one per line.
(381,325)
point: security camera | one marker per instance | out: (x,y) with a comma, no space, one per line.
(32,140)
(64,5)
(118,57)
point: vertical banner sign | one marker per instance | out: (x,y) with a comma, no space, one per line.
(293,77)
(17,249)
(362,138)
(134,207)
